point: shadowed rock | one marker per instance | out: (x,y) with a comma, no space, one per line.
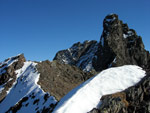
(119,46)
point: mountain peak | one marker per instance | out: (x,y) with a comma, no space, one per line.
(119,45)
(111,18)
(110,21)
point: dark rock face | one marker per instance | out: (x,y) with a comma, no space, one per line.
(58,79)
(119,45)
(7,72)
(80,55)
(133,100)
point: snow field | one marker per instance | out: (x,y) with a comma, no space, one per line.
(87,96)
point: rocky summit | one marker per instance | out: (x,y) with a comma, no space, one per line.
(111,75)
(119,45)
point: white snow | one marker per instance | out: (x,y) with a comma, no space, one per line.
(85,61)
(114,61)
(129,33)
(125,35)
(111,14)
(7,64)
(71,55)
(110,20)
(3,85)
(25,86)
(87,96)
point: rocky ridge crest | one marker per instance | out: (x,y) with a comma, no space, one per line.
(119,45)
(7,73)
(80,55)
(58,79)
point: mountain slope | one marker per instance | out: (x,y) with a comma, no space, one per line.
(80,55)
(7,73)
(59,79)
(87,95)
(25,94)
(28,80)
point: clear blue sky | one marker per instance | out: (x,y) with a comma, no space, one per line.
(40,28)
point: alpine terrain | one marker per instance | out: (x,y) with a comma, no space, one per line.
(111,75)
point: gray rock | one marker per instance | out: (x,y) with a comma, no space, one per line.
(7,73)
(80,55)
(58,79)
(119,46)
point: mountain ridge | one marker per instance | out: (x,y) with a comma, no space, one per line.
(119,45)
(40,86)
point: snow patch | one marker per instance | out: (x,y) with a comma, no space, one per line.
(7,63)
(110,20)
(26,86)
(85,62)
(71,55)
(125,35)
(129,33)
(87,96)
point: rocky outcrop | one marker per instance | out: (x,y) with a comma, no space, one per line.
(58,79)
(119,45)
(133,100)
(80,55)
(7,70)
(7,73)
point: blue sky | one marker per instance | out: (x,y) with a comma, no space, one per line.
(40,28)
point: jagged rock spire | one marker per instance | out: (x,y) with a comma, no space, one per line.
(119,45)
